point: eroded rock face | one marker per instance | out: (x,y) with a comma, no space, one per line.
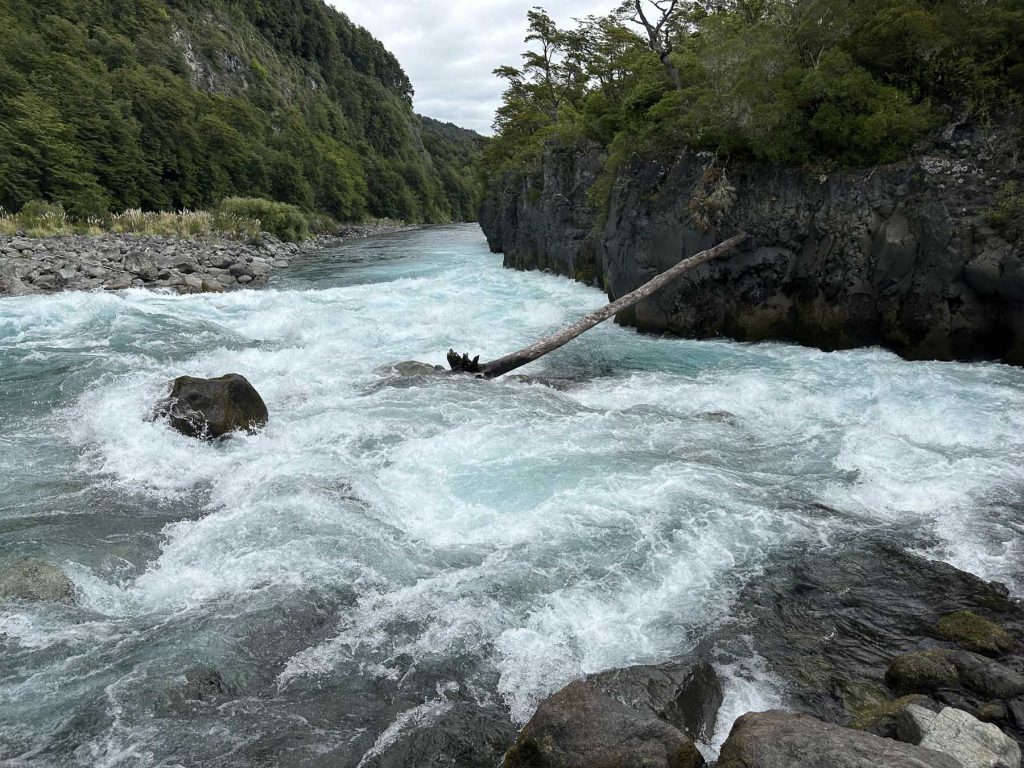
(37,581)
(781,740)
(212,408)
(899,256)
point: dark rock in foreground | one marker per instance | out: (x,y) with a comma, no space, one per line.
(212,408)
(856,636)
(781,740)
(37,581)
(461,734)
(639,717)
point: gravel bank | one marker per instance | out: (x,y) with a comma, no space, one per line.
(202,264)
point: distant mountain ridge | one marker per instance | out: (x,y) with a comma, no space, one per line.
(159,104)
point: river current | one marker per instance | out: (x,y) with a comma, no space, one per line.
(389,540)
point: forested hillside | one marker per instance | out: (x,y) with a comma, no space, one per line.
(819,83)
(160,104)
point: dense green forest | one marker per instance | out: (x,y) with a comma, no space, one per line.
(814,83)
(169,104)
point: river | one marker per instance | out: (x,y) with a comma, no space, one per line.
(388,540)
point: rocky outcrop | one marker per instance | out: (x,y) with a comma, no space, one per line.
(899,256)
(212,408)
(781,740)
(854,639)
(36,581)
(638,717)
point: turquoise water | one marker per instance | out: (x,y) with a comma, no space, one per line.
(389,540)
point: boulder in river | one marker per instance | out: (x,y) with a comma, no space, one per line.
(782,740)
(34,580)
(212,408)
(604,721)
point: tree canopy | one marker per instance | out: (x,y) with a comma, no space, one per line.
(164,104)
(817,83)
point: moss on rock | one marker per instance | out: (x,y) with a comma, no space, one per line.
(975,633)
(921,672)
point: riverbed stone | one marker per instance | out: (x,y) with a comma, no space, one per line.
(970,631)
(922,672)
(986,676)
(582,727)
(37,581)
(212,408)
(783,740)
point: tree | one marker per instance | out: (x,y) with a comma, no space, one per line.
(660,20)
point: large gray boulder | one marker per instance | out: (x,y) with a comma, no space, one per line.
(972,743)
(34,580)
(782,740)
(212,408)
(582,727)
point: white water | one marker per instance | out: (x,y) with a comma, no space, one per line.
(386,540)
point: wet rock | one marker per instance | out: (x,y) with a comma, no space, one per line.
(830,628)
(1016,708)
(582,727)
(987,676)
(995,712)
(781,740)
(685,696)
(34,580)
(456,734)
(974,633)
(972,743)
(922,672)
(211,408)
(203,682)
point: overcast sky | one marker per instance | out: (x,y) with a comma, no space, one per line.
(450,47)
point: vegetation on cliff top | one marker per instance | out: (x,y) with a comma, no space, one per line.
(813,82)
(179,104)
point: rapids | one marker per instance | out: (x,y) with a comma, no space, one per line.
(388,541)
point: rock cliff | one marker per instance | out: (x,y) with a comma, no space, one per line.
(900,256)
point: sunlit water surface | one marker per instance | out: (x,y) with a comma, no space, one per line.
(388,541)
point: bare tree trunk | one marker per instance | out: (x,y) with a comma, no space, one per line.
(503,365)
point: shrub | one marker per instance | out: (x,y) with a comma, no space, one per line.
(1007,215)
(279,219)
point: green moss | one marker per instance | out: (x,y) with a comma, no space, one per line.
(870,705)
(921,672)
(975,633)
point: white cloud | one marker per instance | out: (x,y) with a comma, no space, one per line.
(450,47)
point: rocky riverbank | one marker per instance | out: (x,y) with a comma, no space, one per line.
(903,256)
(119,261)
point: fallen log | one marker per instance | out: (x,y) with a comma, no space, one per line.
(463,363)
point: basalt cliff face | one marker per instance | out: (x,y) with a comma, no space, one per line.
(900,256)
